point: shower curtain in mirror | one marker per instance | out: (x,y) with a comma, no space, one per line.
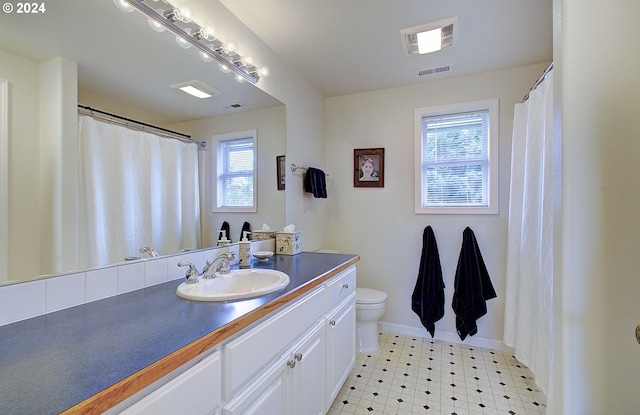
(528,298)
(136,189)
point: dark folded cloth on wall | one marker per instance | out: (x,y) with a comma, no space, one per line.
(315,182)
(246,227)
(472,286)
(427,300)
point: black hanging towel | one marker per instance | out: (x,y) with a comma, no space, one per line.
(315,182)
(472,286)
(246,227)
(427,300)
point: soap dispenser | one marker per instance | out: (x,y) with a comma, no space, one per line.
(223,241)
(244,247)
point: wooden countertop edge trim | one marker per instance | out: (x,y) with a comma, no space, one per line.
(113,395)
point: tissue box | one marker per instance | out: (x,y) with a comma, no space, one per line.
(288,243)
(262,234)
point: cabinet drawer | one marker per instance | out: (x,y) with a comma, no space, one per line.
(253,350)
(196,391)
(341,286)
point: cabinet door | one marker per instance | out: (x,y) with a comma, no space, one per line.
(196,391)
(268,393)
(341,347)
(309,379)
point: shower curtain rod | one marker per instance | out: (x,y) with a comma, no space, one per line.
(539,81)
(136,125)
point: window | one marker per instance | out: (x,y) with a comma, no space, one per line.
(236,167)
(456,158)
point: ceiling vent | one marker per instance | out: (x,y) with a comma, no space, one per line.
(235,106)
(433,71)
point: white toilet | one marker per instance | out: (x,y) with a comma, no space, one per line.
(370,306)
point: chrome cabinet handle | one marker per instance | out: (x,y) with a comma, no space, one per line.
(298,356)
(291,363)
(333,323)
(345,285)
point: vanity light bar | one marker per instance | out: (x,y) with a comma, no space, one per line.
(234,63)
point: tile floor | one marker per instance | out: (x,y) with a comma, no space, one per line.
(421,376)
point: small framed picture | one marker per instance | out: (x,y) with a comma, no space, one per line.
(280,172)
(368,167)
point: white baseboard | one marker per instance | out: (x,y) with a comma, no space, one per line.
(445,336)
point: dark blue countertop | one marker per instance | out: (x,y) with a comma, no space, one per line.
(51,363)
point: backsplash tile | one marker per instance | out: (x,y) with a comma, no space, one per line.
(33,298)
(155,271)
(99,284)
(64,291)
(130,277)
(21,301)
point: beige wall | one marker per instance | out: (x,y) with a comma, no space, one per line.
(597,287)
(380,223)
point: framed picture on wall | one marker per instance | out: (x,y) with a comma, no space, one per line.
(280,172)
(368,167)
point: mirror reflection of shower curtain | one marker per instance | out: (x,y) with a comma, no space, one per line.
(529,295)
(136,189)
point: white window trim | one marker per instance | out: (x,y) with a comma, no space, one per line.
(230,136)
(492,151)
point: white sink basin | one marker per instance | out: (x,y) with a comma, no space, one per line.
(239,284)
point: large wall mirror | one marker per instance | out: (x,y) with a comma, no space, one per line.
(91,53)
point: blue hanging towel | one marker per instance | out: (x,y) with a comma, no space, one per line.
(427,300)
(472,286)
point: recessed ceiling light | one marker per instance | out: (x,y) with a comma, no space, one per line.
(430,37)
(197,88)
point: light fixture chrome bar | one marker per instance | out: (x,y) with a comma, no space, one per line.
(250,73)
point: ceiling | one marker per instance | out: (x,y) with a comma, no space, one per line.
(350,46)
(340,46)
(123,61)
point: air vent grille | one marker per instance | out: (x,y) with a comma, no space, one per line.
(235,106)
(434,71)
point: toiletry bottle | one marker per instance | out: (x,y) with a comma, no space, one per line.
(244,247)
(224,241)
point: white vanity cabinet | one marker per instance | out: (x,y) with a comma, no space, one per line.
(295,362)
(341,333)
(196,391)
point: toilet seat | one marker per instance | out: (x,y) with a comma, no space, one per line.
(370,296)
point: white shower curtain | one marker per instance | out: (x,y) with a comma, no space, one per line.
(528,298)
(136,189)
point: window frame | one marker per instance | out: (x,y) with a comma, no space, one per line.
(492,180)
(218,139)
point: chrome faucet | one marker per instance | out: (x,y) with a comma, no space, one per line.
(192,272)
(211,269)
(149,251)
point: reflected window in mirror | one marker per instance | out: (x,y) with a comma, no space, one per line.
(236,172)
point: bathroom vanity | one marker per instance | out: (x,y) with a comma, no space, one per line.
(151,352)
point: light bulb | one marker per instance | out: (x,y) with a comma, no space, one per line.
(210,33)
(124,5)
(247,61)
(263,70)
(230,48)
(204,56)
(156,25)
(182,42)
(240,79)
(224,68)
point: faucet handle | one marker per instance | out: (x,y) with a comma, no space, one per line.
(192,272)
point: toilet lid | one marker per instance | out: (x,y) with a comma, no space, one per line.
(369,296)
